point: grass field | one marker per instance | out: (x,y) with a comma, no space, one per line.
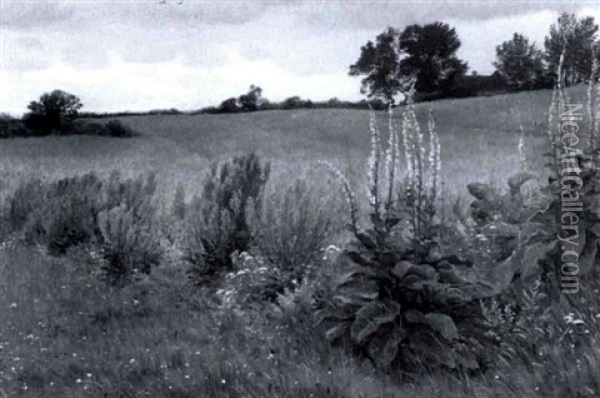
(65,334)
(479,139)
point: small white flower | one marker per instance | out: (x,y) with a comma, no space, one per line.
(12,305)
(78,381)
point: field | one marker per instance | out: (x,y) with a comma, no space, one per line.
(479,140)
(65,334)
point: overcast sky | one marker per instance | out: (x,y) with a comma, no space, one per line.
(149,54)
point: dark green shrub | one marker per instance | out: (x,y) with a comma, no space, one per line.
(216,224)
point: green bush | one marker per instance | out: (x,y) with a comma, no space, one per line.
(216,223)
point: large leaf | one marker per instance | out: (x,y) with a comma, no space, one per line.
(370,318)
(383,349)
(443,325)
(400,269)
(337,332)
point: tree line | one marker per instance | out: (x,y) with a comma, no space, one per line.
(427,56)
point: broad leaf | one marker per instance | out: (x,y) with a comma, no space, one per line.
(443,325)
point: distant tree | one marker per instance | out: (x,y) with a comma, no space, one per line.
(577,38)
(520,62)
(380,63)
(431,57)
(251,101)
(53,111)
(294,102)
(426,52)
(229,105)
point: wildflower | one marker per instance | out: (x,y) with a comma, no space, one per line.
(78,381)
(88,375)
(223,381)
(12,305)
(132,361)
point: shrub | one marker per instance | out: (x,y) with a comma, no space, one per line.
(216,225)
(11,127)
(130,234)
(115,128)
(116,218)
(401,302)
(292,226)
(61,214)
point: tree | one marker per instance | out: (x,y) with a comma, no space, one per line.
(252,100)
(520,63)
(230,105)
(431,57)
(54,111)
(577,39)
(426,52)
(379,62)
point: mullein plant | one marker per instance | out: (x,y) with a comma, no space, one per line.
(541,242)
(401,303)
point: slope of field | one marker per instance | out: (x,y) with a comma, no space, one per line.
(479,138)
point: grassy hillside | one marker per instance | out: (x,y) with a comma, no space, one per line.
(479,138)
(65,332)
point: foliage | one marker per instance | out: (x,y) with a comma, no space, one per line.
(431,57)
(379,62)
(292,225)
(114,219)
(252,100)
(130,235)
(54,111)
(401,301)
(115,128)
(576,38)
(549,243)
(520,63)
(427,53)
(216,225)
(11,127)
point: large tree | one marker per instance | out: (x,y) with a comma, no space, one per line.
(426,52)
(53,111)
(520,62)
(577,39)
(431,57)
(379,62)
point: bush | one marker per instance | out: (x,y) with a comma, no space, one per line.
(116,128)
(61,214)
(292,226)
(11,127)
(114,218)
(216,225)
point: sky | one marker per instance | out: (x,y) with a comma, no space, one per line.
(134,55)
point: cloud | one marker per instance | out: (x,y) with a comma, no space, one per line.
(31,15)
(354,15)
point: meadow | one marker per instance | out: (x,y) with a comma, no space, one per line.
(66,333)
